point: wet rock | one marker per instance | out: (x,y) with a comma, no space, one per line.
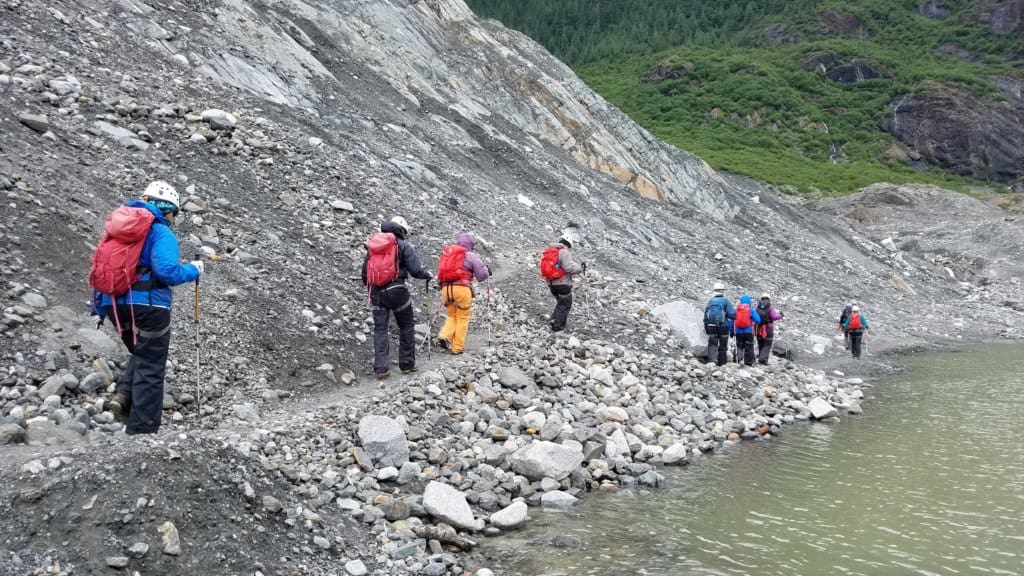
(558,500)
(512,516)
(821,409)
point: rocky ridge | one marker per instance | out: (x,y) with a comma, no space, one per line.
(292,130)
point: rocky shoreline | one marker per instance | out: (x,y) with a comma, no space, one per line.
(428,465)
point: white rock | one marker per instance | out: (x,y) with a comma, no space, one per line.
(512,516)
(449,505)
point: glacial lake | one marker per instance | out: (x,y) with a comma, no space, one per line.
(929,481)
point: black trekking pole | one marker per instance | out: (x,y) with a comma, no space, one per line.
(195,318)
(430,317)
(490,320)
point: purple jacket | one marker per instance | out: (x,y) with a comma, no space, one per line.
(472,262)
(770,316)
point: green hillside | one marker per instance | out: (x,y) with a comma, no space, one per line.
(737,82)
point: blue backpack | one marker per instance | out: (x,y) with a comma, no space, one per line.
(714,314)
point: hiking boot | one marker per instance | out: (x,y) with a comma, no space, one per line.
(410,370)
(457,352)
(120,406)
(383,375)
(442,343)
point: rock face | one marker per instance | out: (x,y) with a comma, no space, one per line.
(384,440)
(933,9)
(540,460)
(1002,16)
(660,73)
(850,72)
(954,130)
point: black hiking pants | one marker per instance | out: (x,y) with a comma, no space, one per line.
(856,337)
(394,299)
(563,303)
(764,344)
(718,344)
(745,348)
(147,337)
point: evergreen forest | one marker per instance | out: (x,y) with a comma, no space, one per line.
(790,92)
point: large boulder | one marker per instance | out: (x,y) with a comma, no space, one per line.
(952,129)
(384,440)
(449,505)
(543,459)
(685,320)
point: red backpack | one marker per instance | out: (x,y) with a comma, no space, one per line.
(743,319)
(382,266)
(855,323)
(449,266)
(549,267)
(115,264)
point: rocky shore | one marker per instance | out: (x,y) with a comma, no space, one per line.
(408,478)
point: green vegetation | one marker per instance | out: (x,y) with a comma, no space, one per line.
(753,107)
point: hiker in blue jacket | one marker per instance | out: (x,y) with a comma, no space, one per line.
(744,321)
(718,314)
(143,314)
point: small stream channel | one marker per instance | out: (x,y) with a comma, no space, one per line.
(929,481)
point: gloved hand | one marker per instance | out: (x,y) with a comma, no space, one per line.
(584,265)
(97,320)
(489,272)
(199,265)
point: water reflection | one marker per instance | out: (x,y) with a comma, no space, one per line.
(928,481)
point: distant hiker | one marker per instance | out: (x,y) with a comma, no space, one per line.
(844,316)
(855,326)
(558,267)
(458,267)
(743,323)
(133,270)
(717,316)
(390,259)
(766,327)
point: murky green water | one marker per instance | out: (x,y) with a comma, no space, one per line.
(929,481)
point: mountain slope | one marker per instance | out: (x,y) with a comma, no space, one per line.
(802,93)
(292,130)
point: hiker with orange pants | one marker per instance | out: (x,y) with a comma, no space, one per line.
(743,328)
(458,266)
(855,326)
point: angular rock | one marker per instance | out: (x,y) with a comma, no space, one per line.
(449,505)
(512,516)
(37,122)
(171,541)
(384,440)
(557,500)
(821,409)
(539,460)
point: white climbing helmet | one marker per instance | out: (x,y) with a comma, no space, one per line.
(401,224)
(855,309)
(765,296)
(718,287)
(160,190)
(569,237)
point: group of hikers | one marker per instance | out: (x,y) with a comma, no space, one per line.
(137,263)
(391,259)
(748,323)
